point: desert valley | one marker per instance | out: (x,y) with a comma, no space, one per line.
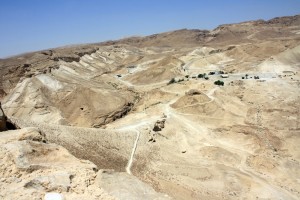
(186,114)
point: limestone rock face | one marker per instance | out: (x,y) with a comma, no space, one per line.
(31,168)
(2,120)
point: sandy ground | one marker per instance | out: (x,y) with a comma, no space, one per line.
(157,139)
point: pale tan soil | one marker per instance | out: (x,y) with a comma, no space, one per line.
(31,168)
(237,141)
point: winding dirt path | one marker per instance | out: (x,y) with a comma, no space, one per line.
(128,167)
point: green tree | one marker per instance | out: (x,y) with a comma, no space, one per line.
(218,82)
(201,75)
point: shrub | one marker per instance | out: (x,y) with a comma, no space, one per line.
(172,81)
(193,92)
(201,75)
(206,78)
(218,82)
(186,76)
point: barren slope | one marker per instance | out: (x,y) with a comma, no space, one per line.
(138,106)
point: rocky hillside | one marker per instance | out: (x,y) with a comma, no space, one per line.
(187,114)
(14,68)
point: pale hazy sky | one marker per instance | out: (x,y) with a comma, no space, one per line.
(29,25)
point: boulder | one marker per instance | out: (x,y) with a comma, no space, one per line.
(57,181)
(159,125)
(33,134)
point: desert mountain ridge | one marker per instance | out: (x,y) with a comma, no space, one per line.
(279,21)
(228,34)
(186,114)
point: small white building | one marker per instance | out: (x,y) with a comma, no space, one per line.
(224,75)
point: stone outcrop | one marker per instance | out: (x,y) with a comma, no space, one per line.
(116,115)
(34,169)
(2,120)
(159,125)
